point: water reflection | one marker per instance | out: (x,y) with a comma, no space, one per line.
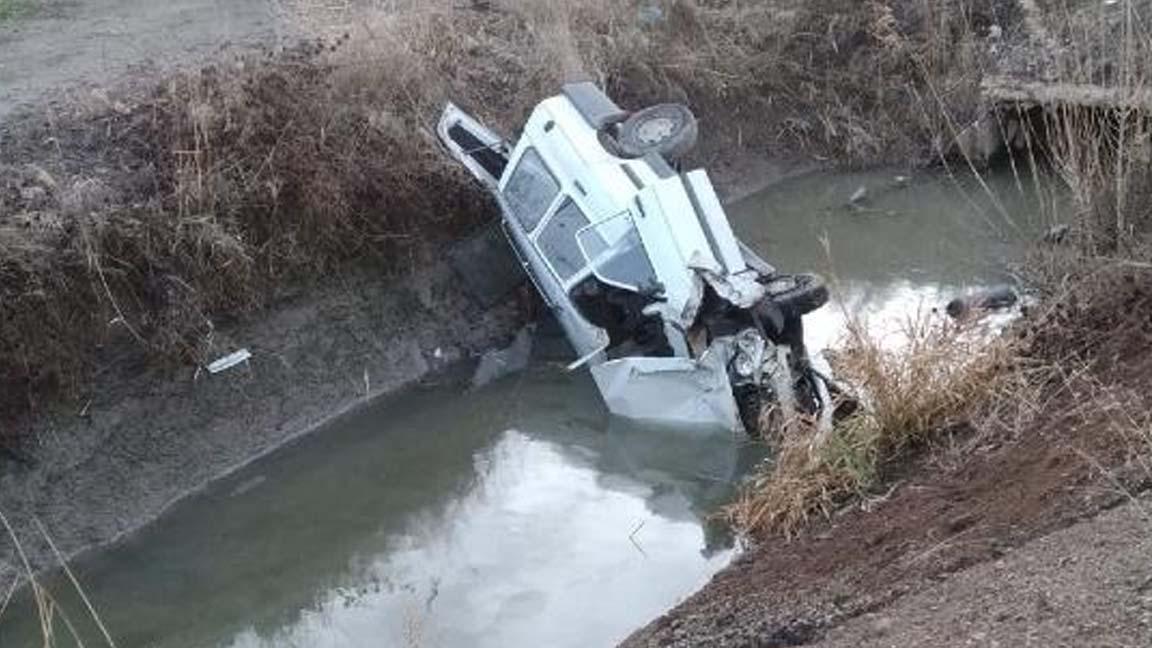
(935,230)
(527,559)
(505,516)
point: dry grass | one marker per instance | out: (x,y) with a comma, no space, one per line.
(913,393)
(1106,160)
(53,623)
(1096,291)
(1105,154)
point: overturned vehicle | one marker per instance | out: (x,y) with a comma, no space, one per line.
(678,320)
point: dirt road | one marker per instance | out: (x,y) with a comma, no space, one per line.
(1088,585)
(80,44)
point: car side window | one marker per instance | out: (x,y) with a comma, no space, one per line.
(557,242)
(530,190)
(625,263)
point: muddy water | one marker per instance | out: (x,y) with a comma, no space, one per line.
(517,514)
(508,516)
(908,247)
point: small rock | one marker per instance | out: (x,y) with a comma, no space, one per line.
(34,197)
(651,14)
(981,301)
(502,362)
(882,626)
(42,177)
(961,522)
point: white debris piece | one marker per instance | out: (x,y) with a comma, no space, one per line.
(229,361)
(494,365)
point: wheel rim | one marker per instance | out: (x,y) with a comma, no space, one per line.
(656,130)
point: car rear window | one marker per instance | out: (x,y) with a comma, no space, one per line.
(557,241)
(530,190)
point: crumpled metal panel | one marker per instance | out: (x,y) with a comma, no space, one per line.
(741,290)
(672,390)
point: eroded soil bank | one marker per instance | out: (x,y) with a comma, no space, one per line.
(149,436)
(856,579)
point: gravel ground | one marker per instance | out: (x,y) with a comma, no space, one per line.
(81,46)
(1088,585)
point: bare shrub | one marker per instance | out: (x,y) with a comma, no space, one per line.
(858,81)
(1102,145)
(234,180)
(931,384)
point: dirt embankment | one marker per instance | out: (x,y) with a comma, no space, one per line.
(854,579)
(1083,586)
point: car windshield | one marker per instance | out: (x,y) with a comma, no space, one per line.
(616,252)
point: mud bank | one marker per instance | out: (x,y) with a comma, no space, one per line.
(148,437)
(959,536)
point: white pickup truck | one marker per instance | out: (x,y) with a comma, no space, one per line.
(678,320)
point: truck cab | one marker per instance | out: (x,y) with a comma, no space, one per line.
(678,321)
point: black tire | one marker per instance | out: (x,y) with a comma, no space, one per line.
(669,130)
(799,294)
(749,403)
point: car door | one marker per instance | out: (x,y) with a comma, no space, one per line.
(480,150)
